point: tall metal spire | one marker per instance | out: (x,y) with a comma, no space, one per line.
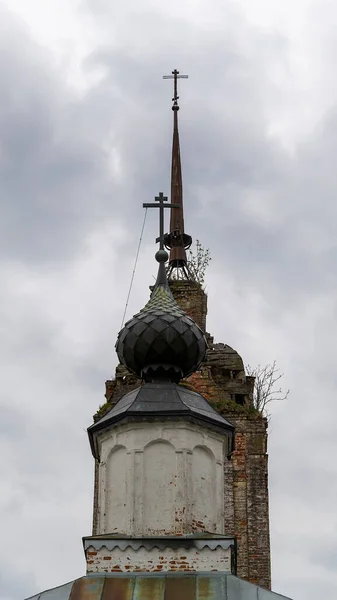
(177,240)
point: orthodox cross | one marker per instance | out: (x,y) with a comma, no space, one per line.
(161,204)
(175,76)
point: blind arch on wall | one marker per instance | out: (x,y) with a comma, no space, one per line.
(159,487)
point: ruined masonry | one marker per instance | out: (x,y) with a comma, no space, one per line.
(181,467)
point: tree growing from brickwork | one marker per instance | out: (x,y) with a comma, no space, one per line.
(266,388)
(198,261)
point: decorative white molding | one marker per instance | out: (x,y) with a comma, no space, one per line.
(158,555)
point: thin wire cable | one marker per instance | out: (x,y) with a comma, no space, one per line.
(134,269)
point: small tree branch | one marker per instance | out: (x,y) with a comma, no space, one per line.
(264,392)
(198,262)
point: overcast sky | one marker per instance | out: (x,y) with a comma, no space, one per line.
(85,138)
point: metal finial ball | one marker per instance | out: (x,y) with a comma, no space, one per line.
(161,256)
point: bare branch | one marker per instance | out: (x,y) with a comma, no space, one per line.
(265,390)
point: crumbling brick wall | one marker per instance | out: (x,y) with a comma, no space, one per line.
(192,299)
(246,499)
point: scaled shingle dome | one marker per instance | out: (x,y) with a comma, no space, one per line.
(161,341)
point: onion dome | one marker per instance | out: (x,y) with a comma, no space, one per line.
(161,342)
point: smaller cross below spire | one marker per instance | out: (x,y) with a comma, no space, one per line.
(161,201)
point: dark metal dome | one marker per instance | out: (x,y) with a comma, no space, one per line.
(161,341)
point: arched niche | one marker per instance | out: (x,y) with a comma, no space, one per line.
(204,516)
(159,485)
(116,513)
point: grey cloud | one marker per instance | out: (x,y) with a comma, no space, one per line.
(325,554)
(307,481)
(13,421)
(315,587)
(15,582)
(54,177)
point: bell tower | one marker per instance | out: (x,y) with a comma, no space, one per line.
(221,379)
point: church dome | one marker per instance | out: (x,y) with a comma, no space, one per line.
(161,341)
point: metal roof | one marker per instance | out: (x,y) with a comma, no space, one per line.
(164,586)
(161,399)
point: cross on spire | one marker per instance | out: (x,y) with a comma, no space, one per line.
(175,76)
(177,241)
(161,201)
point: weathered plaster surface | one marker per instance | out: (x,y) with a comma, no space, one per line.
(160,479)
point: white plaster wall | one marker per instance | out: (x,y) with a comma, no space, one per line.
(155,560)
(160,478)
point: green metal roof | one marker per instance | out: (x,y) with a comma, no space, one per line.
(161,586)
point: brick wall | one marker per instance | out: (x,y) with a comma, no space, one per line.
(192,299)
(246,495)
